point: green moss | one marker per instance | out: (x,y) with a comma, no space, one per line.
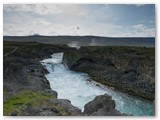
(35,99)
(5,92)
(135,50)
(23,98)
(61,110)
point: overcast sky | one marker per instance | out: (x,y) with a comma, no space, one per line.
(79,19)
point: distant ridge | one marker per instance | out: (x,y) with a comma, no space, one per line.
(86,40)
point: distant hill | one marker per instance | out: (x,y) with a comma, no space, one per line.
(86,40)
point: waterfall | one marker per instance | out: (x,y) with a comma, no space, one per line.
(76,87)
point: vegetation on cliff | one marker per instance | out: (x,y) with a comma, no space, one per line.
(26,91)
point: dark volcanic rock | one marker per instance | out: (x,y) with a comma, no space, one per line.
(26,91)
(54,110)
(51,92)
(66,104)
(102,105)
(128,69)
(14,113)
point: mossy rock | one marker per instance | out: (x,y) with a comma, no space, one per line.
(23,98)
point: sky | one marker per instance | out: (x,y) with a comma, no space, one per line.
(109,20)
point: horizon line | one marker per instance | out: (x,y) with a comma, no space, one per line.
(70,36)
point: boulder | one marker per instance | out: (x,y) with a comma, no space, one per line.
(102,105)
(51,92)
(67,106)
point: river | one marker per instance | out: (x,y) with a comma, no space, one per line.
(79,90)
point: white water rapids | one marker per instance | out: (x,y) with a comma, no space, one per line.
(76,87)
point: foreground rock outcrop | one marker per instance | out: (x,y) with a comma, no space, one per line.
(26,91)
(102,105)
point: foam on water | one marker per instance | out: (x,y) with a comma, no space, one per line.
(56,58)
(75,87)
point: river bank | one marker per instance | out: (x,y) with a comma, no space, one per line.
(80,89)
(24,76)
(127,69)
(26,91)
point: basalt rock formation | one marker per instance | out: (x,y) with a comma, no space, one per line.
(127,69)
(26,91)
(102,105)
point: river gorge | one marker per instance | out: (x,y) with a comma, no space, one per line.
(79,89)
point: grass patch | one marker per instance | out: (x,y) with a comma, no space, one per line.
(23,98)
(5,92)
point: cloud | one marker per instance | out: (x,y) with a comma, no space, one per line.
(140,27)
(138,30)
(44,27)
(18,7)
(139,5)
(45,9)
(69,19)
(143,30)
(41,26)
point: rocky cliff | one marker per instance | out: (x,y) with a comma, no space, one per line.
(127,69)
(26,91)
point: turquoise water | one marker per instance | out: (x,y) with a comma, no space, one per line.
(75,87)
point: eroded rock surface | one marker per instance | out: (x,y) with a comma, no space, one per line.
(128,69)
(102,105)
(26,91)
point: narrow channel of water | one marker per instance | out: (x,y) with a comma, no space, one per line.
(76,87)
